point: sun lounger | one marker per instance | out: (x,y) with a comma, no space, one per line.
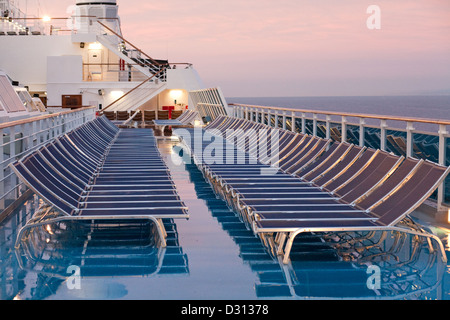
(186,119)
(344,188)
(120,176)
(390,209)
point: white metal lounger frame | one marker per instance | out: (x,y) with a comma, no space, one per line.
(186,119)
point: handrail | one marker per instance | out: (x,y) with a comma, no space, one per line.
(349,114)
(33,119)
(132,90)
(128,42)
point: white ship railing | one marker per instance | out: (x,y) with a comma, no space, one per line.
(210,103)
(324,122)
(17,138)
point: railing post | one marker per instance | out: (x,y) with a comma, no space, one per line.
(315,125)
(293,126)
(328,127)
(303,123)
(409,139)
(284,120)
(362,136)
(344,128)
(383,126)
(12,153)
(442,161)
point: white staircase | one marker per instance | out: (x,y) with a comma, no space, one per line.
(139,60)
(138,96)
(151,69)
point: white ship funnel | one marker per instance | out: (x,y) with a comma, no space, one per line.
(105,11)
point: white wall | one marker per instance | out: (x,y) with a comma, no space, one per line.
(24,58)
(187,79)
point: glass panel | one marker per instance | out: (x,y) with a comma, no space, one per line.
(298,125)
(289,123)
(321,129)
(272,120)
(336,131)
(426,147)
(372,138)
(280,121)
(396,142)
(309,127)
(353,134)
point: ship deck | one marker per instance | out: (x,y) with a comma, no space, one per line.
(211,256)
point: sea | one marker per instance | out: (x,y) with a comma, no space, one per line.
(421,106)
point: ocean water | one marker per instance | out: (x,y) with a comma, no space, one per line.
(432,107)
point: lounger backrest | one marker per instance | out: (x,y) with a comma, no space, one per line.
(85,146)
(229,124)
(40,189)
(66,169)
(190,118)
(138,116)
(368,156)
(163,115)
(217,122)
(59,155)
(149,115)
(412,194)
(311,142)
(330,157)
(51,179)
(382,164)
(406,169)
(348,160)
(123,115)
(108,125)
(111,115)
(291,145)
(176,114)
(308,158)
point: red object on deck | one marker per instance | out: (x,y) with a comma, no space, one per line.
(170,109)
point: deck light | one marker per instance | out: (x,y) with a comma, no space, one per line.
(117,94)
(95,46)
(46,19)
(176,95)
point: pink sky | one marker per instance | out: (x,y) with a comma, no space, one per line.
(295,47)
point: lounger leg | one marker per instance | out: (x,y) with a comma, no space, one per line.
(280,243)
(288,248)
(161,231)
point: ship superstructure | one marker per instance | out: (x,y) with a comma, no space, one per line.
(85,60)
